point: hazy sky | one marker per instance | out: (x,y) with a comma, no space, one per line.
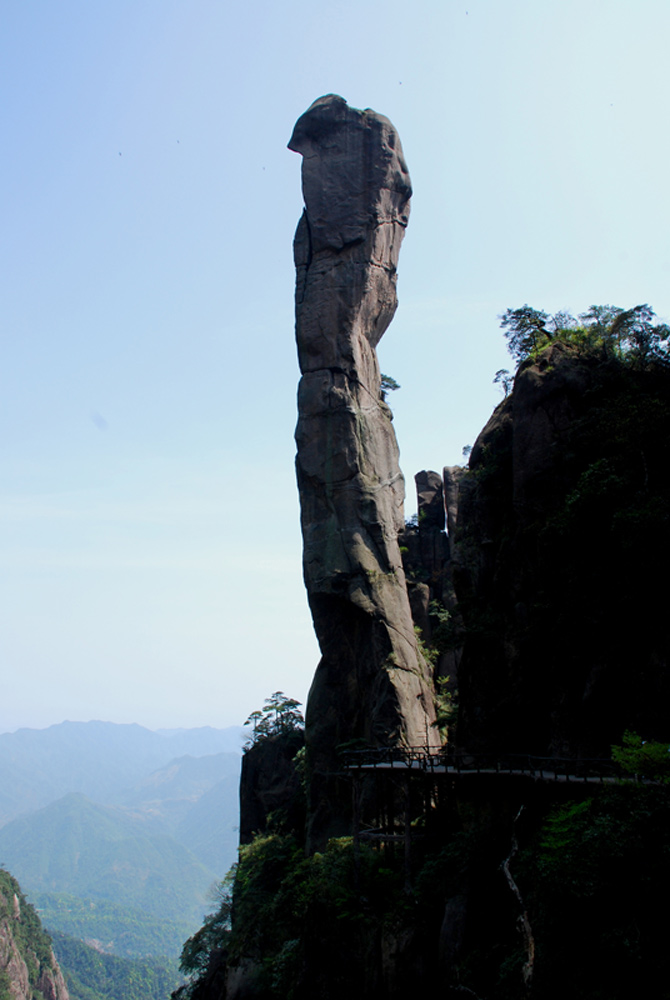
(149,534)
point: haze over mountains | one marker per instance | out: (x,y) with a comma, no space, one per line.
(102,760)
(117,832)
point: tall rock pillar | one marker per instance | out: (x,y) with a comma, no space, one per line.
(371,682)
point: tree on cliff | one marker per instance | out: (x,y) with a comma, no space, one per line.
(280,715)
(388,384)
(630,335)
(637,336)
(525,330)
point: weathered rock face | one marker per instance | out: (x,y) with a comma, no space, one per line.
(28,968)
(432,538)
(428,564)
(371,682)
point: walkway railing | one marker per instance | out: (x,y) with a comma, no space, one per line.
(445,760)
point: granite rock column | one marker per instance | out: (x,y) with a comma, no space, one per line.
(371,684)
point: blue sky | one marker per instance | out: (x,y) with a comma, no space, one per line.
(149,535)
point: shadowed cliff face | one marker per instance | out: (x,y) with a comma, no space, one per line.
(559,539)
(563,542)
(371,682)
(270,786)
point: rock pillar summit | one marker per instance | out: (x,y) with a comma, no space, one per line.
(371,683)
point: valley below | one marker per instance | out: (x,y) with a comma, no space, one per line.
(118,836)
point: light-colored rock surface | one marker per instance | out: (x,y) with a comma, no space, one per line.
(371,682)
(28,967)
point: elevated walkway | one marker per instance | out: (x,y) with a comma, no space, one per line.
(460,765)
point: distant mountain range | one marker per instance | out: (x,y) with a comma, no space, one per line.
(99,759)
(117,832)
(98,852)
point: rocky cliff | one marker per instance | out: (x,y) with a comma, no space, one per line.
(551,566)
(371,683)
(28,968)
(428,555)
(538,576)
(271,791)
(503,885)
(562,544)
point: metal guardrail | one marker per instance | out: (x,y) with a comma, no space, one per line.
(447,760)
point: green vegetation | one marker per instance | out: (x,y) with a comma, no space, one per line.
(388,384)
(442,639)
(90,974)
(77,847)
(646,758)
(211,939)
(593,874)
(126,932)
(595,877)
(505,380)
(446,633)
(573,502)
(279,716)
(446,707)
(93,975)
(280,899)
(629,334)
(428,652)
(30,938)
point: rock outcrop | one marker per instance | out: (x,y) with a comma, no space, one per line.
(371,682)
(28,968)
(428,564)
(561,546)
(431,524)
(270,786)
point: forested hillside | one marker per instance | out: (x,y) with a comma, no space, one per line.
(93,975)
(95,852)
(124,857)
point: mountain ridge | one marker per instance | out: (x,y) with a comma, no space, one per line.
(99,759)
(77,846)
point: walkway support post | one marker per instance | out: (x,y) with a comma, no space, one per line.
(356,827)
(408,837)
